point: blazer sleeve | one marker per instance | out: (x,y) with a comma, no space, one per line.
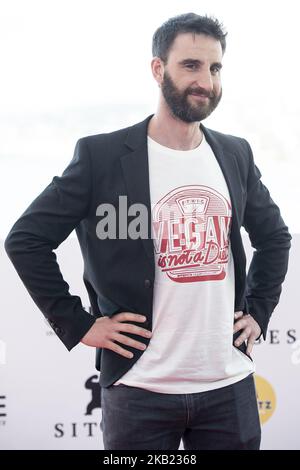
(44,225)
(270,239)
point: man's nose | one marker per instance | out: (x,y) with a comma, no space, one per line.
(205,81)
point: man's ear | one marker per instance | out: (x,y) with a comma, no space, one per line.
(157,67)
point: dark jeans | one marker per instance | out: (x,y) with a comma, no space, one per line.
(225,418)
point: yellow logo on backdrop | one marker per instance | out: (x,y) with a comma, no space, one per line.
(266,398)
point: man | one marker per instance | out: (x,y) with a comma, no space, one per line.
(174,317)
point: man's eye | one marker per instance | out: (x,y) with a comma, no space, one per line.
(215,70)
(191,66)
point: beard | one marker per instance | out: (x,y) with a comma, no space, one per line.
(180,106)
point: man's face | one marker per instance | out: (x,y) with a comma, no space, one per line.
(191,83)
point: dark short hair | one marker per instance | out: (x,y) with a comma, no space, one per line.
(166,34)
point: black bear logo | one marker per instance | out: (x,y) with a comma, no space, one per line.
(92,384)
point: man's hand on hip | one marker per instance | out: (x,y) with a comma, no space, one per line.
(106,330)
(251,330)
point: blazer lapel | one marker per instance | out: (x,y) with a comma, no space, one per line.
(136,174)
(228,165)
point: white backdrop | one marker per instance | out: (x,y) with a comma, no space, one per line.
(48,396)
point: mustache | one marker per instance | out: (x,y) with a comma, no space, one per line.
(200,91)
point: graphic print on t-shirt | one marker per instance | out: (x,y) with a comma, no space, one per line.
(191,226)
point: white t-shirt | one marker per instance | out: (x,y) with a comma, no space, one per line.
(191,346)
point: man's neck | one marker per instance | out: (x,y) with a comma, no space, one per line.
(171,132)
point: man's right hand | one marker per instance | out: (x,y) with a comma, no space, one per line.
(106,330)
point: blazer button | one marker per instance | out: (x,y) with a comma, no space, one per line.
(59,330)
(147,283)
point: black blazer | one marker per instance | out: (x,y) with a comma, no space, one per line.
(119,273)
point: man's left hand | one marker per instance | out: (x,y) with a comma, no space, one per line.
(251,330)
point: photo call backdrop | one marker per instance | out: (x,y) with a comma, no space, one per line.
(83,80)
